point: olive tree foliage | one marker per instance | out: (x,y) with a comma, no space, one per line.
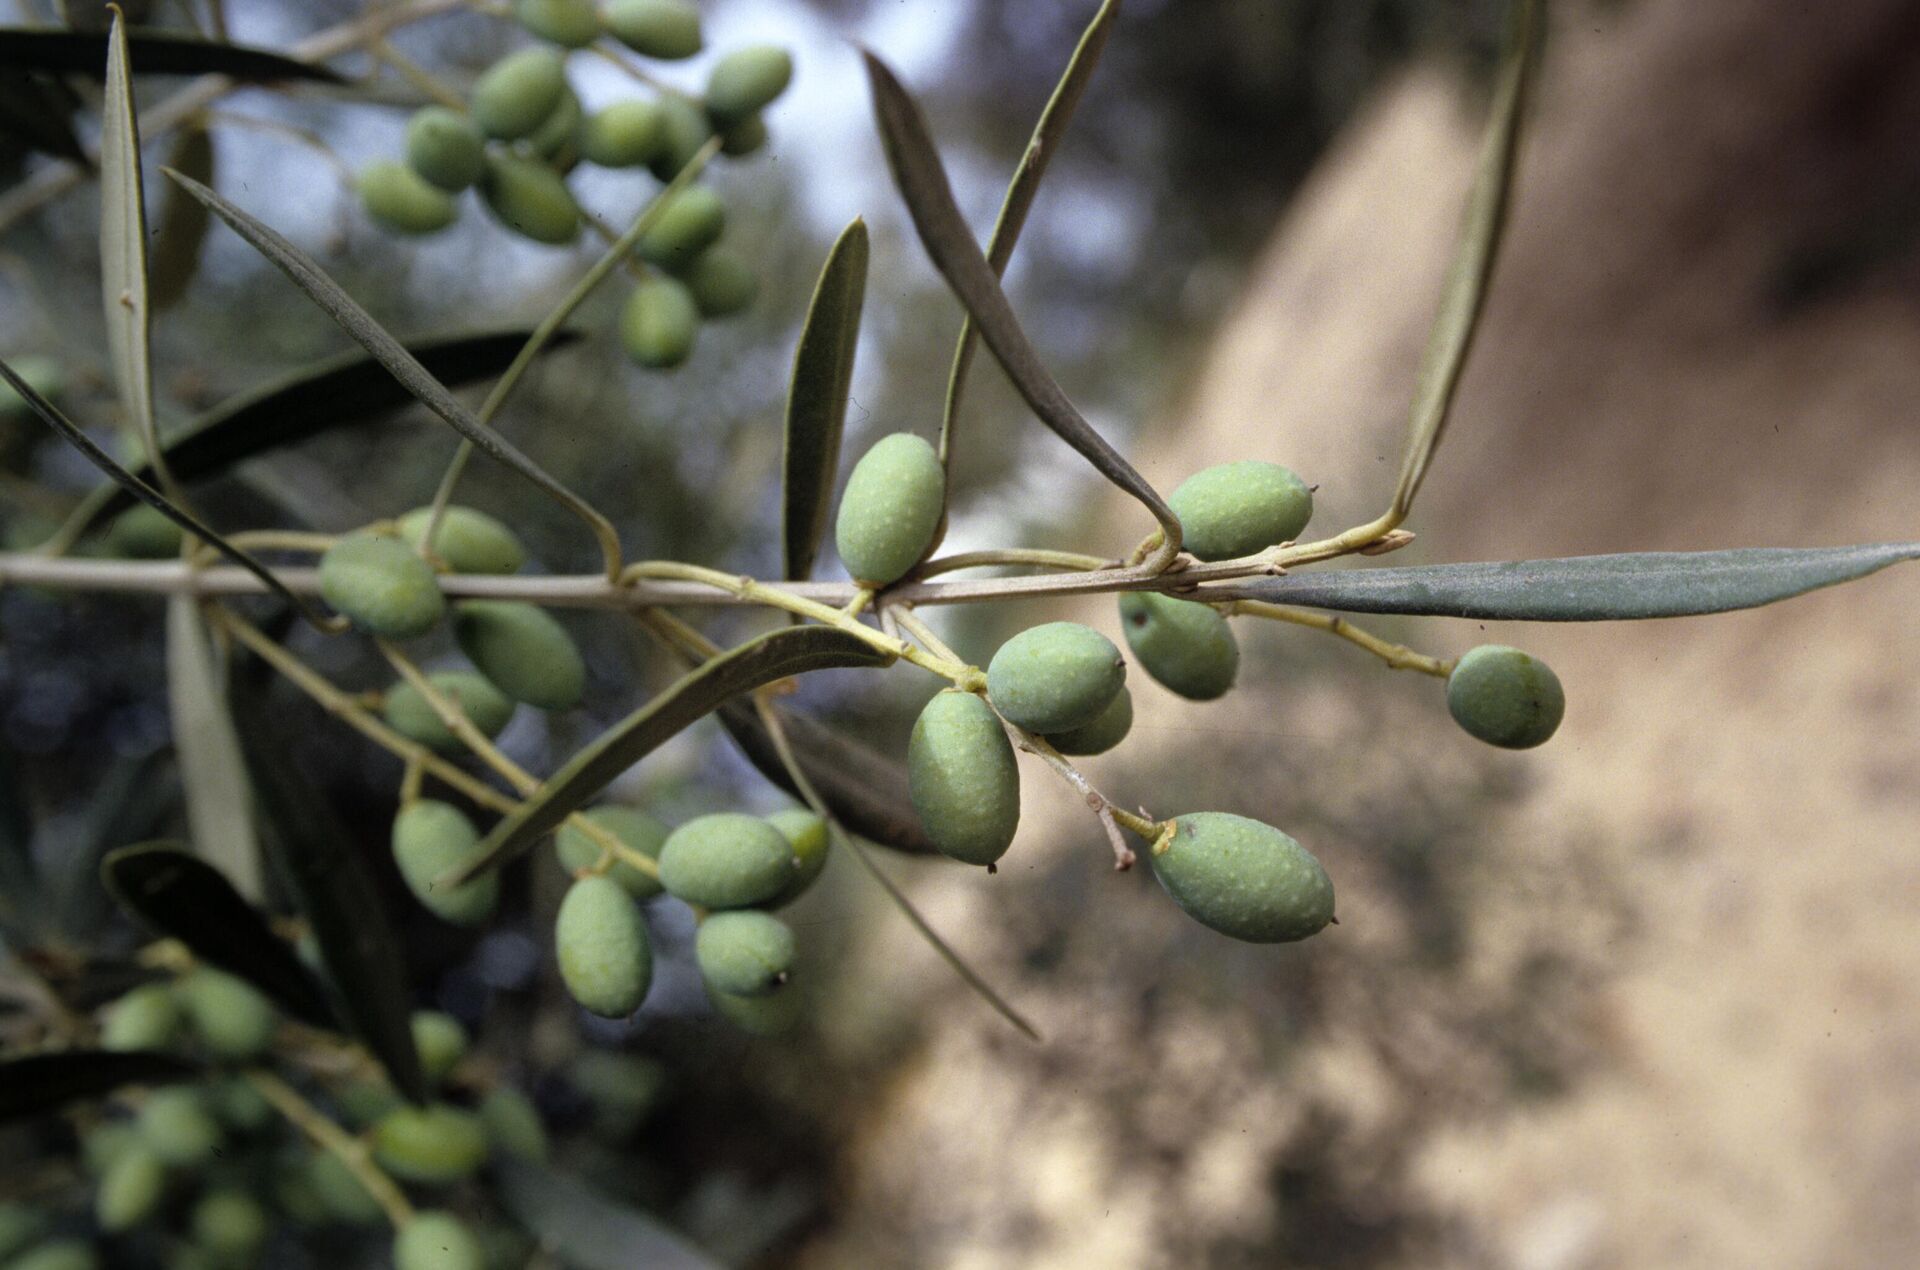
(269,1017)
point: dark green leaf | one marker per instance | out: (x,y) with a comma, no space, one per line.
(333,887)
(923,184)
(1580,588)
(373,337)
(175,256)
(129,803)
(38,1084)
(123,243)
(751,665)
(177,895)
(817,398)
(1021,192)
(36,113)
(20,905)
(154,53)
(587,1230)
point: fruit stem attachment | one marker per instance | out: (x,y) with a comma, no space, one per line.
(330,1137)
(1397,656)
(1111,817)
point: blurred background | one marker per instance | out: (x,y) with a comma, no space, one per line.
(1647,996)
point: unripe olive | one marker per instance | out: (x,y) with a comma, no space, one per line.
(808,835)
(439,1040)
(634,828)
(408,713)
(727,860)
(445,147)
(57,1254)
(890,509)
(239,1106)
(769,1015)
(962,778)
(666,29)
(684,128)
(1236,509)
(627,134)
(744,954)
(624,1089)
(746,81)
(1186,646)
(340,1193)
(100,1146)
(721,281)
(569,23)
(130,1191)
(529,198)
(364,1101)
(230,1018)
(1244,878)
(1055,677)
(20,1225)
(404,201)
(744,138)
(176,1126)
(231,1225)
(45,375)
(143,533)
(513,1124)
(687,225)
(557,139)
(436,1143)
(659,323)
(469,541)
(147,1018)
(524,651)
(1105,732)
(601,940)
(429,838)
(382,585)
(1505,698)
(518,93)
(437,1240)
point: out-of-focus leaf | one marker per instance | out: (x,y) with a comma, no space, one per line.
(128,804)
(20,904)
(175,257)
(177,895)
(212,771)
(751,665)
(34,1085)
(123,242)
(154,53)
(1021,192)
(817,398)
(585,1229)
(35,114)
(1580,588)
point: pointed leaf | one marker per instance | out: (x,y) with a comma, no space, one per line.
(1580,588)
(175,256)
(176,895)
(817,398)
(923,184)
(123,242)
(1021,192)
(759,661)
(34,1085)
(212,771)
(587,1230)
(154,53)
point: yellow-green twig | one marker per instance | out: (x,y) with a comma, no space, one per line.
(1398,656)
(330,1137)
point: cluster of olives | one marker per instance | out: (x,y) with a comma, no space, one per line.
(525,130)
(1065,682)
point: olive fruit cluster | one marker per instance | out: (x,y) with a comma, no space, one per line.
(524,131)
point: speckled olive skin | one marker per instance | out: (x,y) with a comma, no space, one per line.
(429,838)
(1236,509)
(437,1241)
(1105,732)
(666,29)
(727,860)
(692,222)
(634,828)
(659,324)
(382,586)
(468,541)
(518,93)
(523,651)
(485,706)
(229,1017)
(1244,878)
(529,198)
(1187,647)
(403,200)
(626,134)
(601,940)
(745,953)
(569,23)
(1505,697)
(1055,677)
(445,147)
(808,835)
(962,778)
(890,509)
(747,80)
(435,1143)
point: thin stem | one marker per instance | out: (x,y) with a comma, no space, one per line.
(922,632)
(638,73)
(1015,556)
(330,1137)
(305,136)
(1097,802)
(417,75)
(1397,656)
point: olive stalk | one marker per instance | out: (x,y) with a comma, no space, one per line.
(330,1137)
(1397,656)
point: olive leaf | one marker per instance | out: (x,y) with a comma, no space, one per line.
(817,398)
(1021,192)
(123,244)
(1580,588)
(1463,296)
(759,661)
(175,255)
(34,1085)
(156,52)
(923,185)
(212,771)
(588,1230)
(177,895)
(390,353)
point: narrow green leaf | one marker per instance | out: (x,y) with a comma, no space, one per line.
(176,895)
(123,243)
(184,221)
(1021,192)
(332,884)
(1465,291)
(212,771)
(762,660)
(347,391)
(36,113)
(817,398)
(1580,588)
(588,1230)
(33,1085)
(155,53)
(923,185)
(357,322)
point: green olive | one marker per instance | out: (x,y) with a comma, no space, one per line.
(130,1191)
(382,585)
(529,198)
(569,23)
(523,650)
(468,541)
(1244,878)
(1506,698)
(746,81)
(341,1194)
(404,201)
(962,778)
(727,860)
(1186,646)
(436,1240)
(445,147)
(176,1126)
(230,1018)
(518,93)
(1055,677)
(659,323)
(666,29)
(431,1144)
(808,834)
(231,1225)
(144,533)
(1237,509)
(890,509)
(485,706)
(689,223)
(513,1124)
(605,958)
(439,1040)
(684,128)
(745,953)
(627,134)
(721,281)
(634,829)
(147,1018)
(429,839)
(1105,732)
